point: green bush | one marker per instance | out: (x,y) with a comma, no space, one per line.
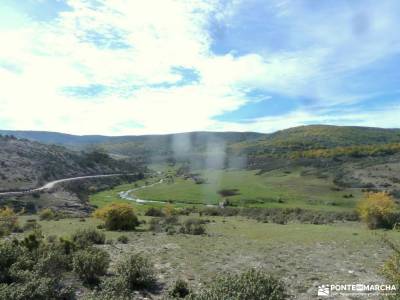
(47,214)
(154,212)
(111,288)
(86,237)
(31,224)
(164,224)
(53,261)
(137,271)
(36,287)
(90,263)
(180,289)
(250,285)
(9,254)
(31,270)
(123,239)
(391,268)
(193,226)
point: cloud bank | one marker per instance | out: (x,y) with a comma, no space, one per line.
(135,67)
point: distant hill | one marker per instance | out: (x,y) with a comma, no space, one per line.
(56,137)
(201,145)
(27,164)
(319,137)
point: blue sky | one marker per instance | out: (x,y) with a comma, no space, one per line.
(138,67)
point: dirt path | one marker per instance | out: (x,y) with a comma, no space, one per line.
(128,195)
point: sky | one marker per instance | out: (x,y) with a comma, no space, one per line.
(128,67)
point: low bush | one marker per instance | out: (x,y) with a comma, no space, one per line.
(32,269)
(193,226)
(8,221)
(250,285)
(83,238)
(180,289)
(123,239)
(47,214)
(9,254)
(164,224)
(118,216)
(90,263)
(35,287)
(137,272)
(111,288)
(31,224)
(154,212)
(391,268)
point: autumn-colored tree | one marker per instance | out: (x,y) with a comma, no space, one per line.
(377,210)
(169,210)
(117,216)
(8,221)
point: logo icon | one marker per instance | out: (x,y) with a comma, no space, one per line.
(323,290)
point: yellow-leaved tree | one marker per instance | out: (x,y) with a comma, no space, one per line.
(117,216)
(377,210)
(8,221)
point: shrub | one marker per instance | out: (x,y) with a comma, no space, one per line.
(180,289)
(228,192)
(111,288)
(90,263)
(117,216)
(377,210)
(34,287)
(391,268)
(193,226)
(8,221)
(32,273)
(169,210)
(33,241)
(164,224)
(154,212)
(47,214)
(137,271)
(31,224)
(87,237)
(123,239)
(9,253)
(155,225)
(250,285)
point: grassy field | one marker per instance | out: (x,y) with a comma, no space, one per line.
(271,189)
(303,255)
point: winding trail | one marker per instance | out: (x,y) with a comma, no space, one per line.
(127,195)
(52,184)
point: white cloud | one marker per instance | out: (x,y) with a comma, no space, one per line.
(132,48)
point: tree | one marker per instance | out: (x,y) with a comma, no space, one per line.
(8,221)
(377,210)
(117,216)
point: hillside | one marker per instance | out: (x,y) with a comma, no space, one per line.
(26,164)
(320,137)
(209,148)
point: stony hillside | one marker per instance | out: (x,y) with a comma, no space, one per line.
(26,164)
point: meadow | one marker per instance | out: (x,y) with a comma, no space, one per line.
(278,188)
